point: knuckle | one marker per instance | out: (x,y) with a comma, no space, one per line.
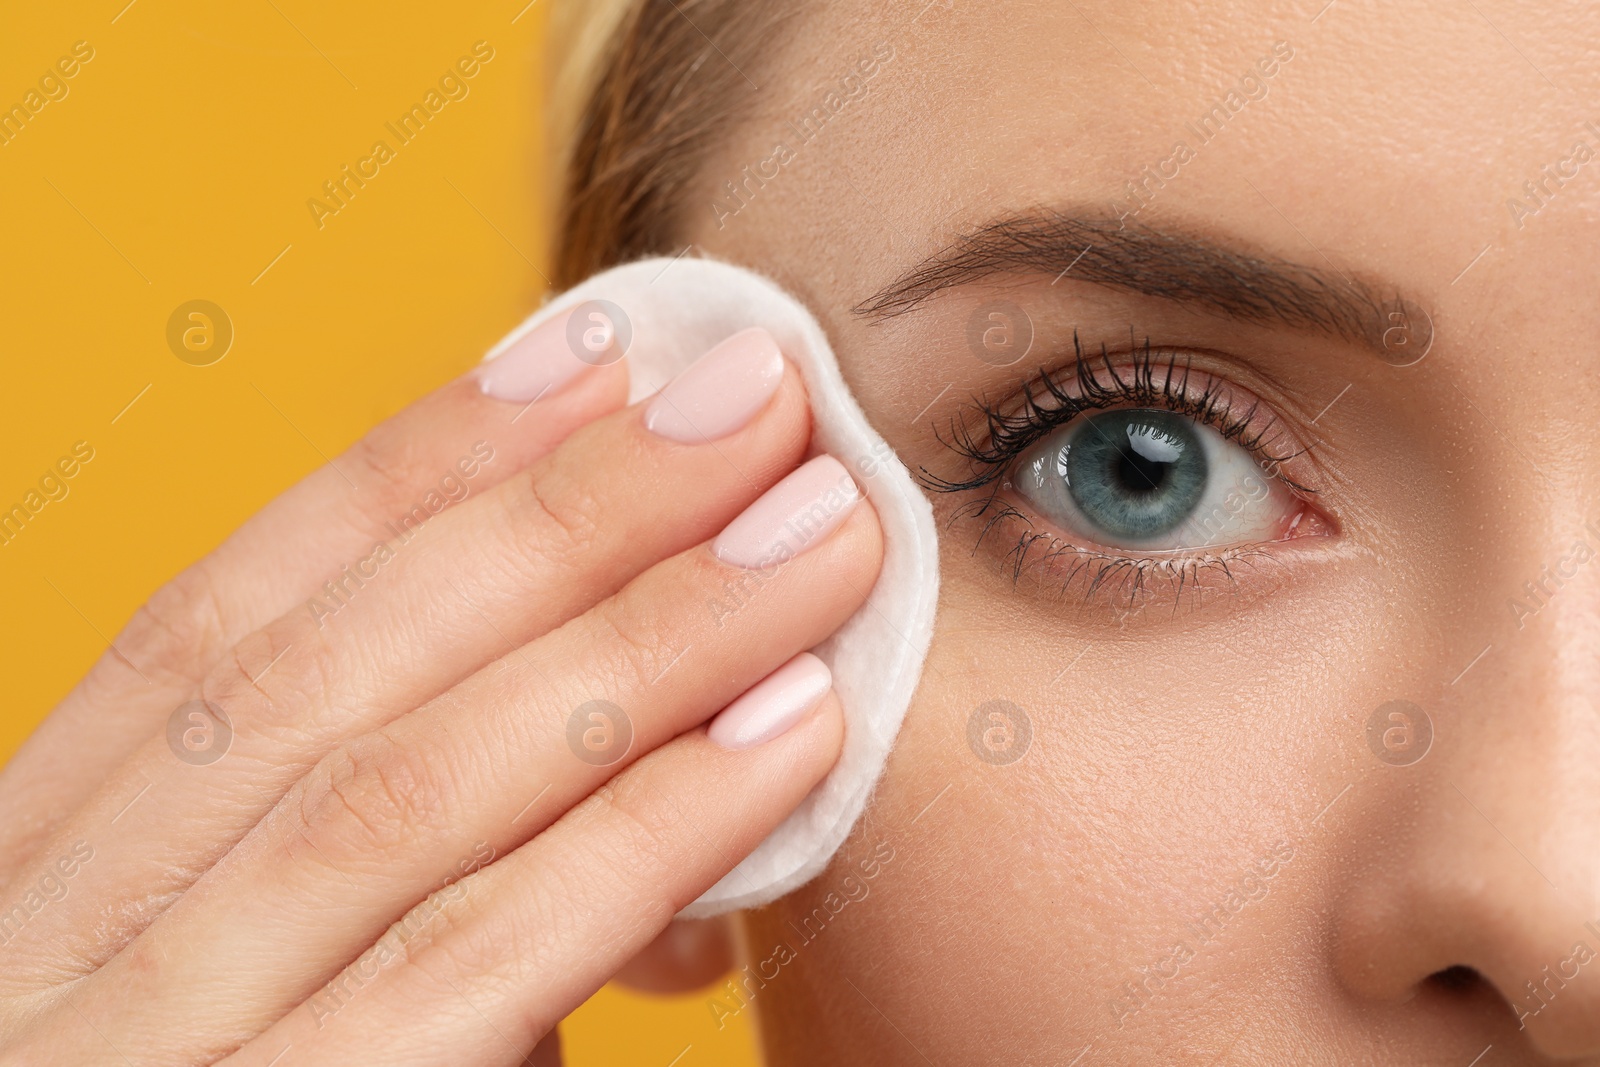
(565,519)
(437,920)
(633,637)
(270,680)
(180,629)
(401,476)
(453,933)
(468,942)
(391,461)
(371,796)
(641,842)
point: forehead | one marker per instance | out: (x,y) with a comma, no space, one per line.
(1393,138)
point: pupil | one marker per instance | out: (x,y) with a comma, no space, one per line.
(1136,474)
(1140,475)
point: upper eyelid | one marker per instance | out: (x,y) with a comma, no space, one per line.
(1010,428)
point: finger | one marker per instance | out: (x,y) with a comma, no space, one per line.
(487,971)
(483,578)
(453,443)
(389,816)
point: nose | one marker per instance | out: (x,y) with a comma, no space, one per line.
(1485,853)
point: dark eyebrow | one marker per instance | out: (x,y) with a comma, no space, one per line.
(1228,280)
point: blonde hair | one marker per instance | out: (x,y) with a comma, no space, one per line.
(639,92)
(577,42)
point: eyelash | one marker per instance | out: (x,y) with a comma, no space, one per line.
(1097,384)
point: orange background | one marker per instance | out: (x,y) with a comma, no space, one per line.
(178,167)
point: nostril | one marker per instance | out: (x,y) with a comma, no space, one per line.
(1457,979)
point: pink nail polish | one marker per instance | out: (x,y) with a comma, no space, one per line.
(540,363)
(720,391)
(790,517)
(774,704)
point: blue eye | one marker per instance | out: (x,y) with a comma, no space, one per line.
(1145,478)
(1135,474)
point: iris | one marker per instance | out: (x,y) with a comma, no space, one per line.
(1134,474)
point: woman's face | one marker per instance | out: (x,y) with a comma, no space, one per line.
(1154,801)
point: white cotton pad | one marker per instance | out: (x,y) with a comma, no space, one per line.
(672,311)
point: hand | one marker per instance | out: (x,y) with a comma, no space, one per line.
(428,784)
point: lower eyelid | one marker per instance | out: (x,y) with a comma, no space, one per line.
(1040,564)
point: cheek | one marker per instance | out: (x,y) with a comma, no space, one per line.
(1081,801)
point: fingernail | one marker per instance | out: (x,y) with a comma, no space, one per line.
(541,362)
(790,517)
(720,391)
(774,704)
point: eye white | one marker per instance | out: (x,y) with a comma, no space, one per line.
(1241,504)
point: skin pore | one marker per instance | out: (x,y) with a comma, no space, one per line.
(1199,856)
